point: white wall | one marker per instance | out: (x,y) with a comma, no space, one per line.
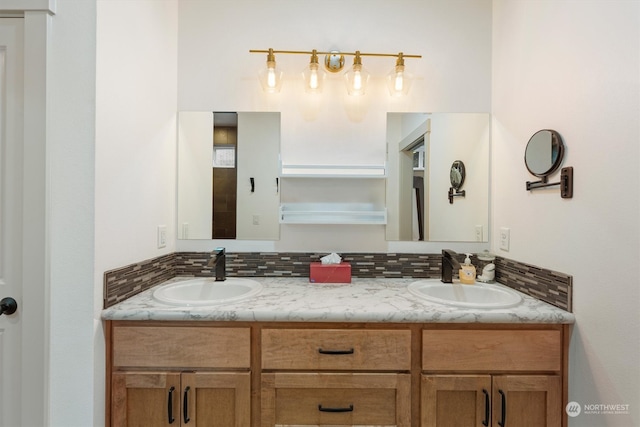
(70,160)
(574,67)
(136,76)
(217,73)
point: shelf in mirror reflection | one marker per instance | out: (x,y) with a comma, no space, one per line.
(333,171)
(332,213)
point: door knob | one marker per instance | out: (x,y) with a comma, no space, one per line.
(8,306)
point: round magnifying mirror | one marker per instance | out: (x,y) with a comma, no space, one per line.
(457,174)
(544,152)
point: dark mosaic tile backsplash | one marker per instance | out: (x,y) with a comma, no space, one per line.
(546,285)
(122,283)
(125,282)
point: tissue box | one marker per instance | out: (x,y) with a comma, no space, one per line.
(330,273)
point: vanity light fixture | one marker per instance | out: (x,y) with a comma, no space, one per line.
(398,80)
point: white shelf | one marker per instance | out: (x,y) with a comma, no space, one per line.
(332,213)
(333,171)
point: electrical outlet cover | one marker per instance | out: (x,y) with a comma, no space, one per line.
(162,236)
(504,239)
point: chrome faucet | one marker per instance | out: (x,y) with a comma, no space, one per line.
(449,261)
(219,262)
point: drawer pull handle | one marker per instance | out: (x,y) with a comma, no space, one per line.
(503,412)
(185,405)
(322,351)
(170,405)
(349,409)
(487,409)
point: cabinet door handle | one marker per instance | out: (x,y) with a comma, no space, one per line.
(185,405)
(487,408)
(170,405)
(503,410)
(322,351)
(322,409)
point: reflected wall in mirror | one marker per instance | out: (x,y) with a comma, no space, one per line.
(417,204)
(228,166)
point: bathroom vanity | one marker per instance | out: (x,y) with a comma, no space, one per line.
(369,353)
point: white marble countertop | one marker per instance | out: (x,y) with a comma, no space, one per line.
(285,299)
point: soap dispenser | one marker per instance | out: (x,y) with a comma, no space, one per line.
(467,272)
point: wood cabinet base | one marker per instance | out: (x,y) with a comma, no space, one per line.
(263,374)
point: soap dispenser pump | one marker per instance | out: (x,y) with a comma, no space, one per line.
(467,272)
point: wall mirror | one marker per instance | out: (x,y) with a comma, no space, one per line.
(543,156)
(544,153)
(228,168)
(421,149)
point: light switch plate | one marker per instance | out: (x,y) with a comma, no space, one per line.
(504,239)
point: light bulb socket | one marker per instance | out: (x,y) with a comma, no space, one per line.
(271,57)
(314,57)
(357,60)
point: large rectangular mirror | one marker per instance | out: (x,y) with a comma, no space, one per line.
(228,175)
(429,155)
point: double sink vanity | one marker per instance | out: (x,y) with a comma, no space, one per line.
(280,351)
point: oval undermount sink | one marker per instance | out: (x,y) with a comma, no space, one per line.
(206,291)
(478,295)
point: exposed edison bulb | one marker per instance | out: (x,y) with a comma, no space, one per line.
(313,79)
(357,80)
(271,77)
(399,81)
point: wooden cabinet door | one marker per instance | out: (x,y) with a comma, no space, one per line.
(221,399)
(455,400)
(527,401)
(145,399)
(159,399)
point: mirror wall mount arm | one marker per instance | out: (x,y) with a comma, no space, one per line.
(565,183)
(455,193)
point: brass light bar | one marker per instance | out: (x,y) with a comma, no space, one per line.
(305,52)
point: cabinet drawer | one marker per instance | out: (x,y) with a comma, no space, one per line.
(336,399)
(184,347)
(499,351)
(336,349)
